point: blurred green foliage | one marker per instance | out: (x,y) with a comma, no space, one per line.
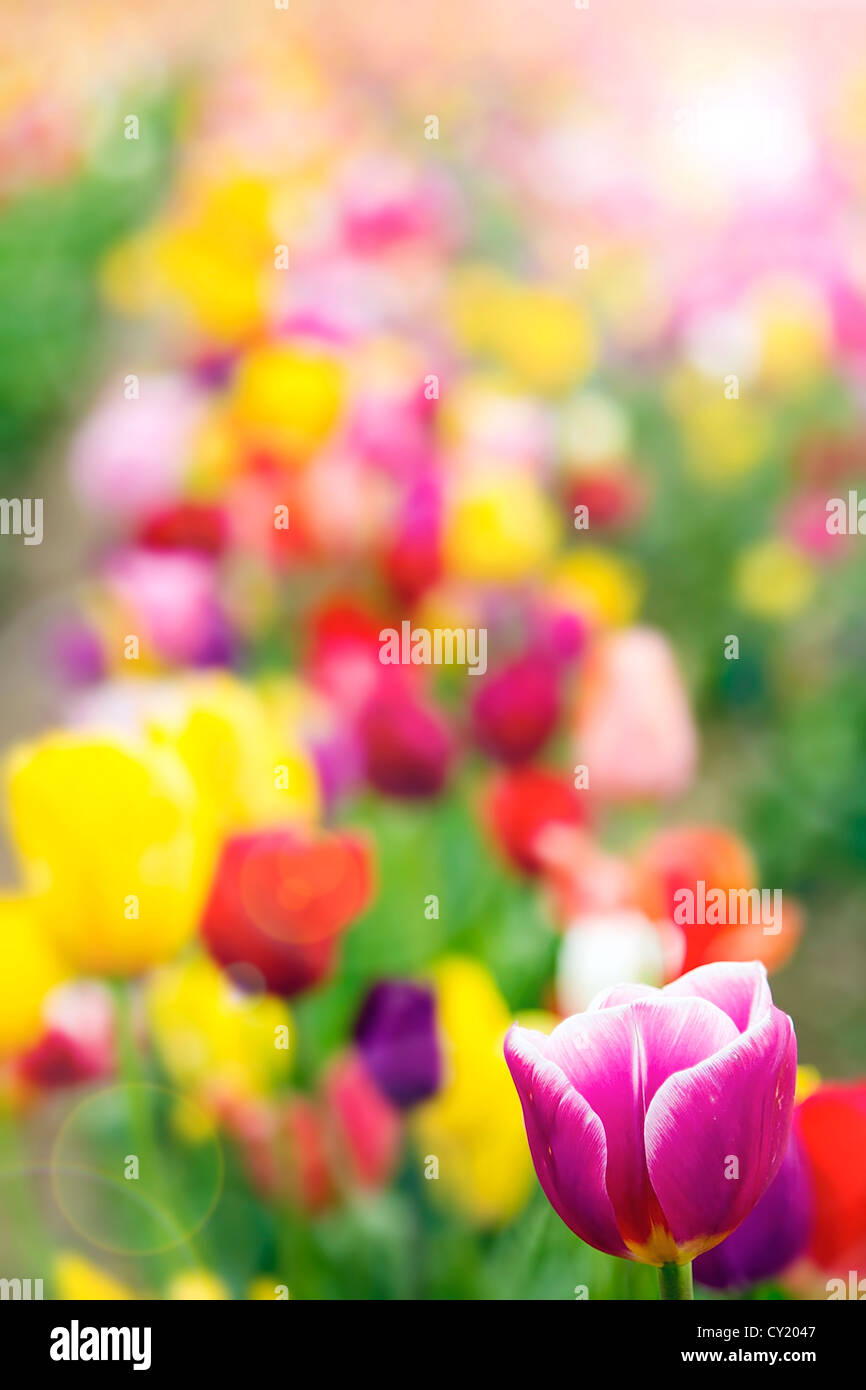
(52,241)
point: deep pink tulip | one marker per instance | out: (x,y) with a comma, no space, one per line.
(516,709)
(658,1118)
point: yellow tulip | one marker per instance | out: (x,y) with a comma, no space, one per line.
(795,332)
(265,1288)
(724,437)
(116,847)
(287,401)
(248,768)
(474,1126)
(213,1039)
(773,579)
(197,1286)
(208,259)
(30,969)
(498,528)
(545,340)
(603,587)
(77,1280)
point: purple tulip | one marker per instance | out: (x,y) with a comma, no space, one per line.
(396,1037)
(658,1118)
(774,1233)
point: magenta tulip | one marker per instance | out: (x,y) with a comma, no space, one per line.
(658,1118)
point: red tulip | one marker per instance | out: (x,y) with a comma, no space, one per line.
(280,902)
(520,803)
(832,1124)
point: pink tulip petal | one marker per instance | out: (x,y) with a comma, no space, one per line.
(566,1140)
(620,994)
(740,989)
(734,1104)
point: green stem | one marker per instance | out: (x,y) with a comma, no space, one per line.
(675,1281)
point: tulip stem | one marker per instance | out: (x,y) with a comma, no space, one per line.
(675,1281)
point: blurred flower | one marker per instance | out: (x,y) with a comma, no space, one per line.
(304,1173)
(31,969)
(546,340)
(774,1233)
(286,401)
(594,430)
(214,1040)
(249,767)
(263,1288)
(407,746)
(130,456)
(386,201)
(598,951)
(680,858)
(186,526)
(364,1130)
(519,804)
(794,329)
(484,417)
(634,727)
(281,900)
(472,1127)
(724,439)
(601,587)
(612,498)
(773,579)
(634,1109)
(114,841)
(390,421)
(196,1285)
(395,1034)
(498,528)
(412,562)
(77,1280)
(516,709)
(581,877)
(168,600)
(77,1042)
(207,258)
(832,1123)
(76,653)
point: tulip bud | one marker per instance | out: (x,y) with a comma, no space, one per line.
(516,709)
(408,748)
(396,1038)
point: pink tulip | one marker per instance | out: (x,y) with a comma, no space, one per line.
(169,598)
(635,731)
(130,456)
(658,1118)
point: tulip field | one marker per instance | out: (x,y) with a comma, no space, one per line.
(432,575)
